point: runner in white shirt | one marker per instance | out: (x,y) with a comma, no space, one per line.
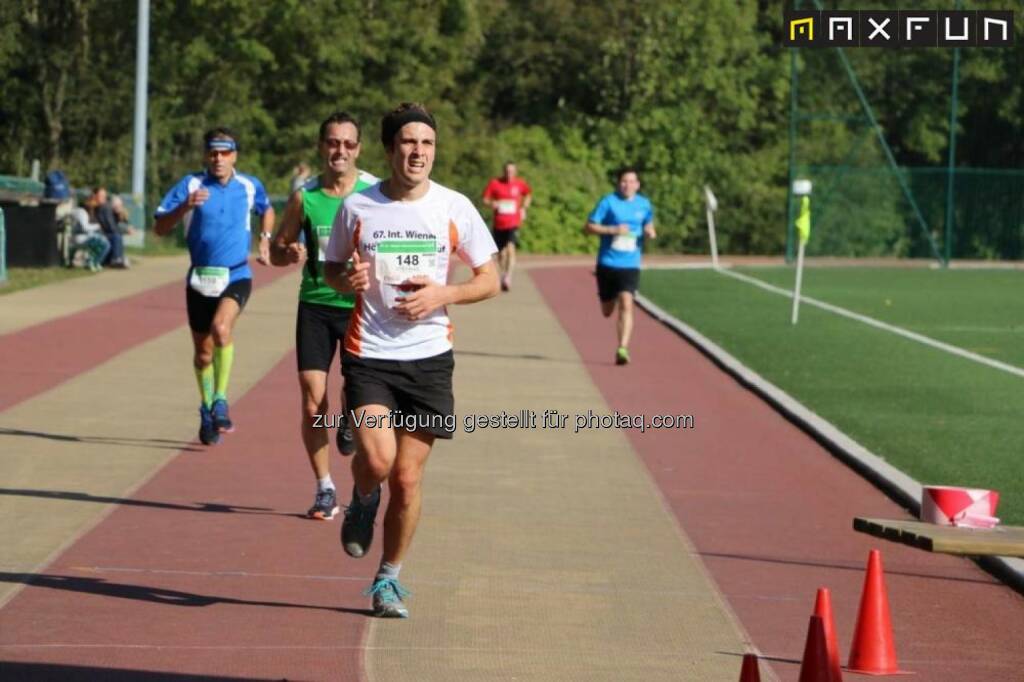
(400,235)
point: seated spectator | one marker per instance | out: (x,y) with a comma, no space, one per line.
(108,223)
(124,222)
(87,238)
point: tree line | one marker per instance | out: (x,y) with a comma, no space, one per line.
(692,93)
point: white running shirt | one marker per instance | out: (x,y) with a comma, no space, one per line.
(401,239)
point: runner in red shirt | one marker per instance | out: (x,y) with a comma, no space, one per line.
(509,196)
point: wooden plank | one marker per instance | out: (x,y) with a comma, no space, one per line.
(1001,540)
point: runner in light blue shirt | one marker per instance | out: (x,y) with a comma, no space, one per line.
(215,205)
(624,220)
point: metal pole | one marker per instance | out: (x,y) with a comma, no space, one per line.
(792,152)
(712,241)
(141,87)
(711,238)
(952,154)
(794,317)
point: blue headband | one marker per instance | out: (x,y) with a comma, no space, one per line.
(221,143)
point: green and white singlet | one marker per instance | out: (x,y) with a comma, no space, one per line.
(318,211)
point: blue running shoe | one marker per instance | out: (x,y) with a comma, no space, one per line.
(357,528)
(208,434)
(387,596)
(325,506)
(220,416)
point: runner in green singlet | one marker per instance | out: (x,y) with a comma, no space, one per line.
(323,313)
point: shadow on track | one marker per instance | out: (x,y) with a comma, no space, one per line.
(128,502)
(154,443)
(156,595)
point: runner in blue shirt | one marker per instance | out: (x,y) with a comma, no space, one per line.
(624,219)
(215,205)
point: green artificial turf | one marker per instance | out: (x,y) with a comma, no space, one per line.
(940,418)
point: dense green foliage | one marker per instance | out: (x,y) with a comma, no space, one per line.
(691,92)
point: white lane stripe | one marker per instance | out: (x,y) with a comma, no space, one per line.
(878,324)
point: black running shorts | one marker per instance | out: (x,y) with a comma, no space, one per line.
(503,238)
(319,333)
(612,281)
(201,309)
(419,390)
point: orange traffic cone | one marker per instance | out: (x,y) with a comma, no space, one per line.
(814,667)
(750,671)
(823,609)
(873,651)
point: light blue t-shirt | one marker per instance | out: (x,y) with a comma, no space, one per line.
(622,251)
(217,232)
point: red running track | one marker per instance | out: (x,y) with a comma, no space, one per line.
(35,359)
(208,570)
(770,511)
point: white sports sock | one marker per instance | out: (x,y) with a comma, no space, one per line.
(388,571)
(324,483)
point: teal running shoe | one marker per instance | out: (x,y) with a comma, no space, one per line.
(387,596)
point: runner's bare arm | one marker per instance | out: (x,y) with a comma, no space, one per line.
(649,230)
(164,225)
(266,227)
(431,295)
(285,248)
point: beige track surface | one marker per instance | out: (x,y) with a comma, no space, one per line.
(41,304)
(128,416)
(545,554)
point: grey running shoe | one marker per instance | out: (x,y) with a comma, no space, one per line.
(387,596)
(325,506)
(357,528)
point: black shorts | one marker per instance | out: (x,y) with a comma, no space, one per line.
(319,332)
(419,391)
(503,238)
(613,281)
(201,309)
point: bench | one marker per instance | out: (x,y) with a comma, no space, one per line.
(1000,541)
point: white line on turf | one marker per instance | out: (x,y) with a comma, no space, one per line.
(878,324)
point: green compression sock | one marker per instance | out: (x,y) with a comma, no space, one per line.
(204,377)
(222,359)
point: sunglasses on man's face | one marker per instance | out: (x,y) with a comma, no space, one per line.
(335,143)
(213,153)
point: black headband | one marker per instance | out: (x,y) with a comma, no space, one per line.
(392,124)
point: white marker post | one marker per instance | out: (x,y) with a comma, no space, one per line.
(712,204)
(802,189)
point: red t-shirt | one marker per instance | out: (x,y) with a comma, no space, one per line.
(508,201)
